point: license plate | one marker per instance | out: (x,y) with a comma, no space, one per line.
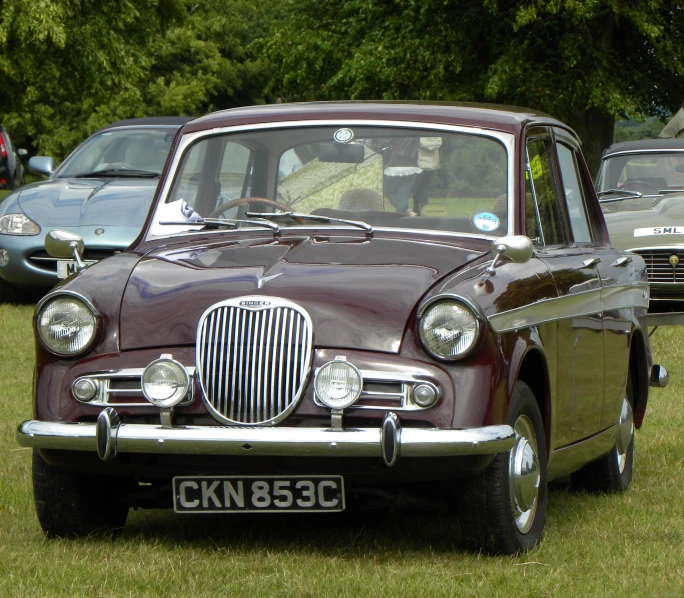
(258,494)
(68,267)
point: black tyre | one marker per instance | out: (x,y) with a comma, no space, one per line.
(613,471)
(502,511)
(70,504)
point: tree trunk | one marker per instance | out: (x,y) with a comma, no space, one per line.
(595,129)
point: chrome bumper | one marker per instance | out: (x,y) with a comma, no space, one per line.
(108,437)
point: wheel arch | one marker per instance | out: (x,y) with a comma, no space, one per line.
(532,369)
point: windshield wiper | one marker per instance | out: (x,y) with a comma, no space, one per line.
(117,172)
(229,222)
(357,223)
(625,193)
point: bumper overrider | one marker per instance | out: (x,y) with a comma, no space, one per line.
(108,436)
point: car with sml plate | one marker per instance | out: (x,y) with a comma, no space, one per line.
(101,192)
(404,299)
(641,190)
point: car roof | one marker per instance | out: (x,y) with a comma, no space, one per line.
(169,121)
(644,144)
(489,116)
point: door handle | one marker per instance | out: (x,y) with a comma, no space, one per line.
(591,262)
(622,261)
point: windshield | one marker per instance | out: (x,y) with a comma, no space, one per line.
(648,173)
(383,176)
(139,150)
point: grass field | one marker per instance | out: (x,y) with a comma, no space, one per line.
(626,545)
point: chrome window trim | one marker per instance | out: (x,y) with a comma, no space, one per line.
(506,139)
(643,151)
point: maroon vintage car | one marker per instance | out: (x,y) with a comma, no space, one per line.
(332,299)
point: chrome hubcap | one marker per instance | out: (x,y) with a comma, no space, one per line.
(625,434)
(524,474)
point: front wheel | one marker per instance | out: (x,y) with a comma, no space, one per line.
(71,504)
(502,511)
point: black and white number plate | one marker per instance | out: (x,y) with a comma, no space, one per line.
(264,494)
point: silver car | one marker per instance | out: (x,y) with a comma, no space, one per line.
(641,189)
(101,192)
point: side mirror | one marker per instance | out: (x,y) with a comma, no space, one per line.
(516,248)
(63,244)
(22,153)
(41,165)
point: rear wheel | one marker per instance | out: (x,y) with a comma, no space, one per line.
(503,510)
(613,471)
(71,504)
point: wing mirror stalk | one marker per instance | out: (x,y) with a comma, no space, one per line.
(515,248)
(63,244)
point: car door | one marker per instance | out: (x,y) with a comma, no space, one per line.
(579,393)
(615,268)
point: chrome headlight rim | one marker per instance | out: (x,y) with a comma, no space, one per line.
(56,295)
(27,220)
(477,313)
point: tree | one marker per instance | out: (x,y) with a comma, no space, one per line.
(582,62)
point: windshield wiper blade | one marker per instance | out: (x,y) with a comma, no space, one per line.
(229,222)
(357,223)
(117,172)
(625,193)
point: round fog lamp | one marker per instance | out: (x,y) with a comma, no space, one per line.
(424,395)
(338,384)
(165,383)
(4,257)
(84,389)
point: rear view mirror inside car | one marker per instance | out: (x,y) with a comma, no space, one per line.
(338,152)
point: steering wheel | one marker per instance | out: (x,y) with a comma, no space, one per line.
(242,201)
(646,188)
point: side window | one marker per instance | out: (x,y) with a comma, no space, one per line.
(574,195)
(544,222)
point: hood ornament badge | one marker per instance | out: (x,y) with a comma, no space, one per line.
(265,279)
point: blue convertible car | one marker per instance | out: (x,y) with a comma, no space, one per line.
(101,192)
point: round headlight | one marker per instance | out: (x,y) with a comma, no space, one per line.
(448,329)
(165,383)
(66,325)
(338,384)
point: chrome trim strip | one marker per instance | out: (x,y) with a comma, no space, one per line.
(644,151)
(266,441)
(506,139)
(576,305)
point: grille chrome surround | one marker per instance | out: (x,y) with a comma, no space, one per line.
(253,359)
(658,266)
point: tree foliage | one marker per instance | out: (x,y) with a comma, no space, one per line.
(69,67)
(585,62)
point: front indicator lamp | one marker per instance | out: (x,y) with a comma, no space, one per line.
(84,389)
(338,384)
(165,383)
(425,395)
(449,329)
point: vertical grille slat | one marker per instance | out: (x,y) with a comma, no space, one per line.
(253,357)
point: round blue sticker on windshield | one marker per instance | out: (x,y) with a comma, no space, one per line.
(486,221)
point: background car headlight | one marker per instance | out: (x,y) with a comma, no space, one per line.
(449,329)
(165,383)
(66,325)
(338,384)
(18,224)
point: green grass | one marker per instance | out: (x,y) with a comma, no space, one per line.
(625,545)
(4,193)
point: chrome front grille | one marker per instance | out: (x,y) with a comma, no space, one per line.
(660,269)
(253,359)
